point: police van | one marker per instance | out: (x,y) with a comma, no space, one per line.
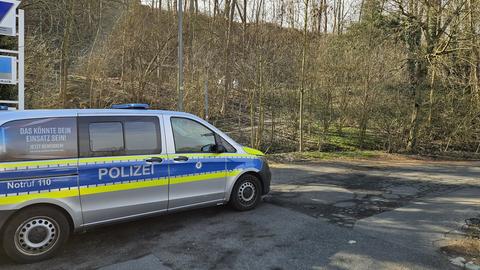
(63,171)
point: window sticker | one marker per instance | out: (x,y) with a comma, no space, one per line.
(38,139)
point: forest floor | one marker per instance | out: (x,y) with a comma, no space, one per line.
(334,214)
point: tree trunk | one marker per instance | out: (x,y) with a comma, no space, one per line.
(228,6)
(302,87)
(365,108)
(282,12)
(228,60)
(90,72)
(261,113)
(475,55)
(325,16)
(252,118)
(417,71)
(216,8)
(432,100)
(320,16)
(65,52)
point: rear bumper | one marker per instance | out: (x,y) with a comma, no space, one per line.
(266,176)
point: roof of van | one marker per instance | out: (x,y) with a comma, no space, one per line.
(14,115)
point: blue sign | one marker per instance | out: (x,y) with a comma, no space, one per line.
(8,70)
(5,64)
(8,20)
(4,9)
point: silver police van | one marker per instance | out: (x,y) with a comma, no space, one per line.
(63,171)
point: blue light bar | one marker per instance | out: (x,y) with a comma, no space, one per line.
(3,108)
(131,106)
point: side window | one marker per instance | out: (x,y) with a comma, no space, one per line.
(191,136)
(38,139)
(141,136)
(106,137)
(118,136)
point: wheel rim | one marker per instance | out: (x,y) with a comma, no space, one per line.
(247,193)
(37,235)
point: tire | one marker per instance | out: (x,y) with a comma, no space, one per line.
(247,193)
(35,234)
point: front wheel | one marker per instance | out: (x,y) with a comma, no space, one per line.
(35,234)
(247,193)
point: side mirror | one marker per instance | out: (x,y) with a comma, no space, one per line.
(207,148)
(214,148)
(218,148)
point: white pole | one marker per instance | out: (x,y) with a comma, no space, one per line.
(21,60)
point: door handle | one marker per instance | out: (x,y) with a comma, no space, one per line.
(154,160)
(181,158)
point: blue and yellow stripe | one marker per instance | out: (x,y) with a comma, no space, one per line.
(104,188)
(65,183)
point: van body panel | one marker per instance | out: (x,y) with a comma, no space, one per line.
(106,189)
(117,187)
(52,178)
(200,178)
(50,186)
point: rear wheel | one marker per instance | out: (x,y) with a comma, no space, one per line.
(247,193)
(35,234)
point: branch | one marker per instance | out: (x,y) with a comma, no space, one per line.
(449,20)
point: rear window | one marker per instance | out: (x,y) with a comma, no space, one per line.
(38,139)
(106,137)
(141,136)
(119,136)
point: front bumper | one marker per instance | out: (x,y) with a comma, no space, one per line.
(266,176)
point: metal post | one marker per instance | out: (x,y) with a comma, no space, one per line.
(180,56)
(21,60)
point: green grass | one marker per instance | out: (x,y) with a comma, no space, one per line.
(342,155)
(296,156)
(347,141)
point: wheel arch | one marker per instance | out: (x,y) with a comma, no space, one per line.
(58,207)
(253,172)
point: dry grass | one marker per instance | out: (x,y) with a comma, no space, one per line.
(469,248)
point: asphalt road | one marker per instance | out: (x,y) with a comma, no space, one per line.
(325,215)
